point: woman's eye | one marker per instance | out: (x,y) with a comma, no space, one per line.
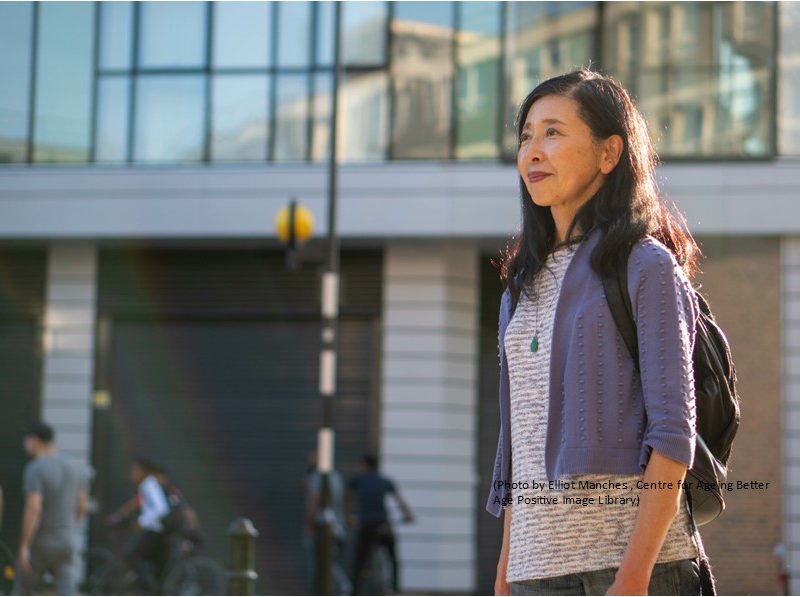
(524,137)
(550,132)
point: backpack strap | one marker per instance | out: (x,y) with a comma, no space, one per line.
(619,301)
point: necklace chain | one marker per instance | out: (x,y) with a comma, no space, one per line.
(535,339)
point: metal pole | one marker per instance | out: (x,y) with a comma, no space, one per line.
(330,329)
(242,575)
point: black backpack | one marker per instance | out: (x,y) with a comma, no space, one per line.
(174,521)
(717,406)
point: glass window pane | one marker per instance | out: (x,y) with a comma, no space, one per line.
(242,33)
(115,34)
(478,63)
(173,34)
(544,39)
(703,82)
(169,118)
(294,34)
(364,33)
(240,125)
(325,32)
(363,117)
(63,82)
(291,118)
(321,117)
(113,101)
(422,73)
(789,81)
(16,27)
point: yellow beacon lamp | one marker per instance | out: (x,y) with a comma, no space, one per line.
(294,225)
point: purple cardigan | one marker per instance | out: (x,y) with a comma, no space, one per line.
(602,417)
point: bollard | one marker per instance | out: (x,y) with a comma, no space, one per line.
(242,575)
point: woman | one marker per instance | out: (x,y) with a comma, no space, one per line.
(592,452)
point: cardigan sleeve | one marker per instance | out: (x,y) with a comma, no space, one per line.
(666,309)
(496,496)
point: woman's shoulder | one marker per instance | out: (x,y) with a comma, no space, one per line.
(649,253)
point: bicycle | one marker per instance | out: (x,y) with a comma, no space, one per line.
(187,571)
(377,577)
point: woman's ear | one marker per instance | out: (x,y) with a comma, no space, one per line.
(612,150)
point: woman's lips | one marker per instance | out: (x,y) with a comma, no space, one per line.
(537,177)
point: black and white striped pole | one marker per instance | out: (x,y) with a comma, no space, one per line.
(330,333)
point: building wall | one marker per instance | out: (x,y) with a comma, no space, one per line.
(790,310)
(69,345)
(742,280)
(429,406)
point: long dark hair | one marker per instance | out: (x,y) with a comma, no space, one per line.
(627,207)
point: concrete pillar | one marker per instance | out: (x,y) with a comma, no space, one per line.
(428,413)
(69,346)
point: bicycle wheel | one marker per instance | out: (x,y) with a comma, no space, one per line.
(7,573)
(381,571)
(103,573)
(195,575)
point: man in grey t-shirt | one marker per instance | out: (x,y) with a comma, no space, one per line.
(55,501)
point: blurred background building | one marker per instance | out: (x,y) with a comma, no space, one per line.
(144,302)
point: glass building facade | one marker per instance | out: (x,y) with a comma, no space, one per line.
(250,82)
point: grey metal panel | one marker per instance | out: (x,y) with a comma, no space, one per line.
(212,369)
(231,283)
(22,283)
(490,529)
(388,200)
(22,279)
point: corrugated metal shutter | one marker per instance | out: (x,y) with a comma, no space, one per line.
(212,364)
(22,290)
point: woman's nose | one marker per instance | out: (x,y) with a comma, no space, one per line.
(533,151)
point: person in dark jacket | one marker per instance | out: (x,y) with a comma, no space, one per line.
(372,519)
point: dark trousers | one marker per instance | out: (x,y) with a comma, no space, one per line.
(147,556)
(369,534)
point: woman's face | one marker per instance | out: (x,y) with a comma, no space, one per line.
(559,160)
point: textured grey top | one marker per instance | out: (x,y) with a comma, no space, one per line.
(553,539)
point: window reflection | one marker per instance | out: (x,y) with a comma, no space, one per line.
(62,110)
(789,130)
(478,78)
(111,142)
(115,35)
(364,33)
(169,118)
(291,118)
(702,73)
(422,70)
(242,33)
(240,108)
(173,34)
(321,114)
(364,117)
(325,18)
(294,34)
(16,27)
(703,81)
(544,39)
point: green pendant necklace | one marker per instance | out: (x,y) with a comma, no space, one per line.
(535,339)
